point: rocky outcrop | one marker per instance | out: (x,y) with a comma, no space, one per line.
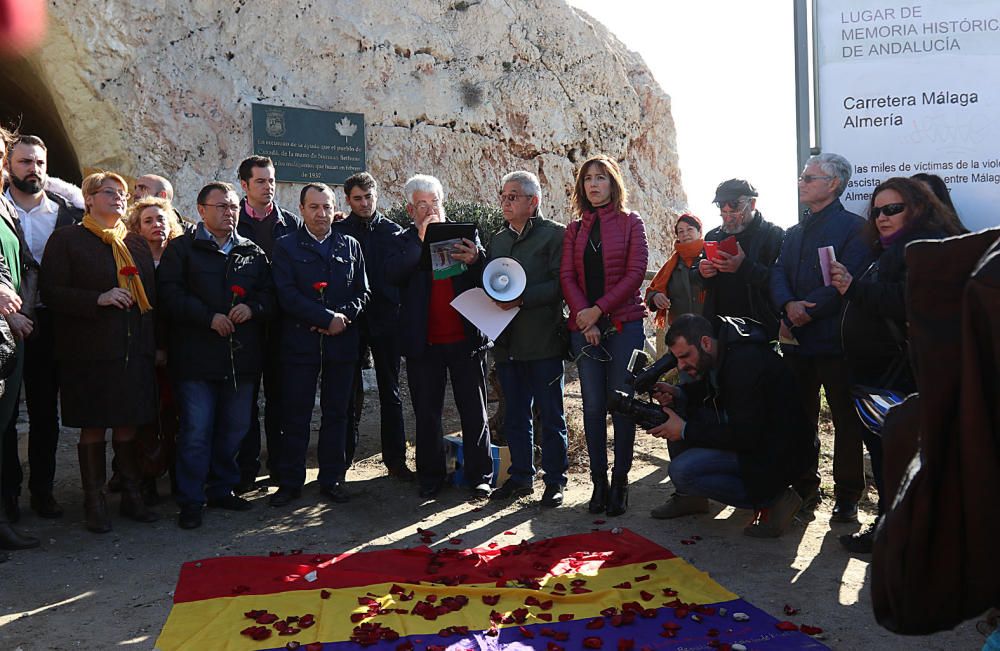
(466,90)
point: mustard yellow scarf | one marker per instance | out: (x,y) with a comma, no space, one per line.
(115,238)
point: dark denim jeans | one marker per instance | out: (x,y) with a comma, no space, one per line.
(539,382)
(298,400)
(214,420)
(602,370)
(711,473)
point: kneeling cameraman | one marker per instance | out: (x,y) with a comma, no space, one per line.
(745,437)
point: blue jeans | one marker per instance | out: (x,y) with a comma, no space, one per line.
(711,473)
(597,379)
(214,420)
(539,382)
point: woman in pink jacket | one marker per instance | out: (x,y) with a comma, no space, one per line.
(603,265)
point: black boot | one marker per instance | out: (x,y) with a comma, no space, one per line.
(599,498)
(93,473)
(618,496)
(132,505)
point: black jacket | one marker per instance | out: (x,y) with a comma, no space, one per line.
(751,408)
(747,292)
(377,238)
(286,222)
(196,282)
(297,266)
(403,269)
(873,322)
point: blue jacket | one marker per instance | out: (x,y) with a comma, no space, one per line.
(377,239)
(297,266)
(796,274)
(403,269)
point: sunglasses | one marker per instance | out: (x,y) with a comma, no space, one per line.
(888,210)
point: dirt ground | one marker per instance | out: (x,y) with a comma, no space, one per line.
(113,591)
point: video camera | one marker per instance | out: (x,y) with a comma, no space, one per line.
(643,374)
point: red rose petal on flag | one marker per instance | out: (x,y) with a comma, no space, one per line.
(644,577)
(609,611)
(790,610)
(593,642)
(671,626)
(649,613)
(267,618)
(668,634)
(559,587)
(289,631)
(526,632)
(531,601)
(545,617)
(646,596)
(292,644)
(510,533)
(357,617)
(625,644)
(680,613)
(579,590)
(405,646)
(786,626)
(324,594)
(254,614)
(649,566)
(712,632)
(810,630)
(669,592)
(561,636)
(624,585)
(491,600)
(545,605)
(552,646)
(595,624)
(565,617)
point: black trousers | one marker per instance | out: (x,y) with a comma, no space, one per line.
(41,391)
(249,455)
(427,376)
(831,373)
(385,355)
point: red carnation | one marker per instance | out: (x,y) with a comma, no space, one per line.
(129,271)
(320,286)
(238,292)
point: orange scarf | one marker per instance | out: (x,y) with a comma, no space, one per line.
(115,238)
(688,252)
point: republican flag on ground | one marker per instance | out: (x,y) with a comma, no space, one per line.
(611,590)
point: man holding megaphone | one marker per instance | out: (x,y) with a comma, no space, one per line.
(523,273)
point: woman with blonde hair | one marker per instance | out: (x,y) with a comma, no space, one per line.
(154,219)
(98,281)
(603,265)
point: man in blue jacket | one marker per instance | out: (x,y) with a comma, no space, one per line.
(437,342)
(379,322)
(810,325)
(216,292)
(319,274)
(263,221)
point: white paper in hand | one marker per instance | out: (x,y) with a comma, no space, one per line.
(480,309)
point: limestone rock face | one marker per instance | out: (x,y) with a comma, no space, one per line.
(465,90)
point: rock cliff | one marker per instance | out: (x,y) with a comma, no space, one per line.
(465,90)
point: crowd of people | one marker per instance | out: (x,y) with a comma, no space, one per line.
(164,330)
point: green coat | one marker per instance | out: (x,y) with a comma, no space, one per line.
(537,332)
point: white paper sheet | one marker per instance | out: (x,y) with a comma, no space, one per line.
(480,309)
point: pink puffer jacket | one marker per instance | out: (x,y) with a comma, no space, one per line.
(625,253)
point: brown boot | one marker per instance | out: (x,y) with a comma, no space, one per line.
(133,506)
(93,473)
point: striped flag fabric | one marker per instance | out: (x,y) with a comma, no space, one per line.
(611,590)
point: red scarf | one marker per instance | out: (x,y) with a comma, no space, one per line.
(688,252)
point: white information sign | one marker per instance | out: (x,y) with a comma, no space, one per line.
(908,87)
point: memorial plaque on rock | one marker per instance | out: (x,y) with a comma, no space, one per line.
(309,146)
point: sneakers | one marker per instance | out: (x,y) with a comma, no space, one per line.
(775,520)
(553,495)
(860,542)
(679,505)
(230,503)
(481,491)
(512,490)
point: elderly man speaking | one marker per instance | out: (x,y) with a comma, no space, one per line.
(437,342)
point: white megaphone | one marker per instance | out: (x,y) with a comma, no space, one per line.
(504,279)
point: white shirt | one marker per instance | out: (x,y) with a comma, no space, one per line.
(318,239)
(37,224)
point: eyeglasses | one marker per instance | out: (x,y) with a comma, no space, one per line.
(423,206)
(108,192)
(809,178)
(223,207)
(511,198)
(597,353)
(888,210)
